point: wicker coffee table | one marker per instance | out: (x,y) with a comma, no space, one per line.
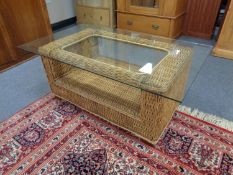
(131,81)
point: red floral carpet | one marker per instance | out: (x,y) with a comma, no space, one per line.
(52,136)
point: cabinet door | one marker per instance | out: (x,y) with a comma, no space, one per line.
(224,46)
(24,20)
(144,7)
(200,17)
(7,53)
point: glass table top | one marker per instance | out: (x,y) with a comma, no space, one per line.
(113,52)
(162,66)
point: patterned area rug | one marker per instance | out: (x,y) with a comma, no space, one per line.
(52,136)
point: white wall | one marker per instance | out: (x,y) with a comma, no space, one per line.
(60,10)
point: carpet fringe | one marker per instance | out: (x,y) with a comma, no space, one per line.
(218,121)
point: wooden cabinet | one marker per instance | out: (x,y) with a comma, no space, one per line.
(7,53)
(224,46)
(201,17)
(98,12)
(20,22)
(158,17)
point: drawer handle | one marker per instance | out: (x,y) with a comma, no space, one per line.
(101,18)
(155,27)
(84,15)
(130,23)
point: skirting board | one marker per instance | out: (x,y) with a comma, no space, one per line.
(222,53)
(64,23)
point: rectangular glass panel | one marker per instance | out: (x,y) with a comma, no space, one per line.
(144,3)
(118,53)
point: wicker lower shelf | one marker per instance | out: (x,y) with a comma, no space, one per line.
(116,95)
(143,113)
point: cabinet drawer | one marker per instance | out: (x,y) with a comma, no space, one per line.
(152,25)
(101,16)
(83,14)
(93,15)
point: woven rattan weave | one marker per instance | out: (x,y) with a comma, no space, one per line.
(116,90)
